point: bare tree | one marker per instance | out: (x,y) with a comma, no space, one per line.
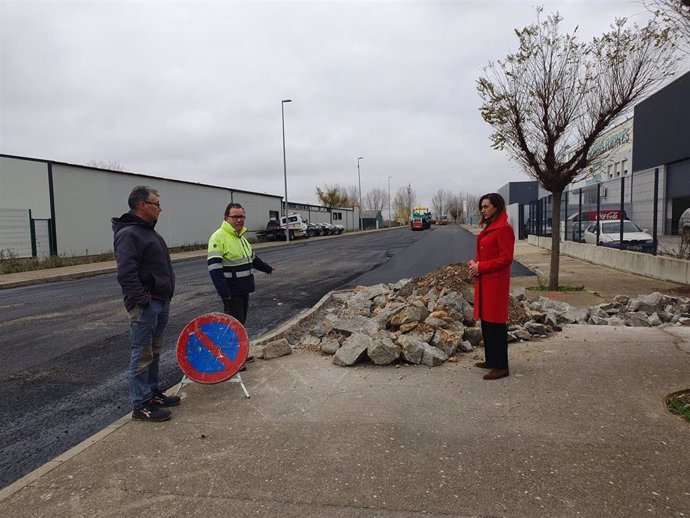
(333,196)
(405,198)
(376,199)
(111,165)
(471,206)
(675,14)
(351,194)
(550,100)
(456,207)
(440,202)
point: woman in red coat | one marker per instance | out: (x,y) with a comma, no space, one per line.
(491,270)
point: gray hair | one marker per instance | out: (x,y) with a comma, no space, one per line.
(140,193)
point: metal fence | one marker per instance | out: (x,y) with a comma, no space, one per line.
(23,236)
(615,213)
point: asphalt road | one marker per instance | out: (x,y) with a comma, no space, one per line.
(64,345)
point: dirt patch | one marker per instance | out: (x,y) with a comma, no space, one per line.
(457,277)
(679,403)
(680,291)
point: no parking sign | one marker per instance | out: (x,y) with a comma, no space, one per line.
(212,348)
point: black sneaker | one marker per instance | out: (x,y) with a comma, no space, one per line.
(161,400)
(150,412)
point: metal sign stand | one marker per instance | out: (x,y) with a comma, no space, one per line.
(235,379)
(212,348)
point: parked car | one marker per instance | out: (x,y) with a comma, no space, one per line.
(578,222)
(339,229)
(313,230)
(634,238)
(545,227)
(327,229)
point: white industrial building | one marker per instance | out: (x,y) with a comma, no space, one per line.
(49,207)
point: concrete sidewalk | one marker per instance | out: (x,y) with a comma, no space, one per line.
(578,429)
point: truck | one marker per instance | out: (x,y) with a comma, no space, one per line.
(421,218)
(296,225)
(275,230)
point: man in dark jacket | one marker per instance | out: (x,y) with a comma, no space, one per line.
(146,276)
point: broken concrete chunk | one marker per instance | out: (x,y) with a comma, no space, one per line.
(384,351)
(433,356)
(353,349)
(275,349)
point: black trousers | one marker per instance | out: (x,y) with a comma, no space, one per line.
(495,344)
(237,307)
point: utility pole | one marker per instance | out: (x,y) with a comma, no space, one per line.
(359,179)
(282,117)
(409,198)
(389,201)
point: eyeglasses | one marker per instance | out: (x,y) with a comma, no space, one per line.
(156,203)
(236,217)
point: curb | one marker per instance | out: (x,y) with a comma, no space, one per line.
(55,277)
(287,326)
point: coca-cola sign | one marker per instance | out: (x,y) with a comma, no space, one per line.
(591,215)
(612,214)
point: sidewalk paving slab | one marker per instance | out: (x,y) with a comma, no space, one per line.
(578,429)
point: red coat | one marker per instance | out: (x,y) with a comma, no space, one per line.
(495,245)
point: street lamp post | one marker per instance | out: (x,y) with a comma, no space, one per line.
(389,201)
(282,116)
(359,179)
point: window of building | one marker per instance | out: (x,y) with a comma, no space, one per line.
(610,170)
(589,196)
(624,166)
(338,216)
(273,214)
(617,169)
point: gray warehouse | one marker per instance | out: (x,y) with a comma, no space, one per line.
(49,207)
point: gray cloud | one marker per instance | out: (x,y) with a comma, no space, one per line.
(192,89)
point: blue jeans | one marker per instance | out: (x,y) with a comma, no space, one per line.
(146,336)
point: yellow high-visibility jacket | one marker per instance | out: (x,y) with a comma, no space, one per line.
(230,261)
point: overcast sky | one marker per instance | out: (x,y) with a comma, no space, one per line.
(192,89)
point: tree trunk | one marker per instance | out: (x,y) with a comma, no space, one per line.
(555,240)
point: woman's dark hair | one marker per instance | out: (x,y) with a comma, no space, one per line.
(497,201)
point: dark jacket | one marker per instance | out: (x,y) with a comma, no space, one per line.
(144,270)
(495,244)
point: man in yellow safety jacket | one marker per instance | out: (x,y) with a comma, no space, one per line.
(230,263)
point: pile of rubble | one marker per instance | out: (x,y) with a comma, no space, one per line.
(429,320)
(653,310)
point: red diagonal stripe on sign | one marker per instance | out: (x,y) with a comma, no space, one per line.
(215,350)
